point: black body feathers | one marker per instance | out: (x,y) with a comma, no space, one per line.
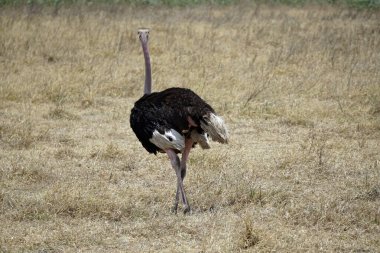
(166,110)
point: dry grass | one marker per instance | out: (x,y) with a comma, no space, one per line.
(299,88)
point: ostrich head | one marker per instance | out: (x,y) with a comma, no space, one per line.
(143,36)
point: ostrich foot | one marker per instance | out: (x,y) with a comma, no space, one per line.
(187,210)
(174,208)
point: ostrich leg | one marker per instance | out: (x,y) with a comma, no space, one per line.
(180,189)
(185,156)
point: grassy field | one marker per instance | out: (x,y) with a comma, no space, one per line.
(298,87)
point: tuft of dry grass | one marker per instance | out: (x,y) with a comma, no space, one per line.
(299,88)
(18,135)
(249,237)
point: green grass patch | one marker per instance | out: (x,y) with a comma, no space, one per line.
(351,3)
(112,2)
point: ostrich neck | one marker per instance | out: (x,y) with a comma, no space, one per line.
(148,74)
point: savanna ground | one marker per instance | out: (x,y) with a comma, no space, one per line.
(299,88)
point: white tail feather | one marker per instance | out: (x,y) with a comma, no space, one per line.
(170,139)
(215,127)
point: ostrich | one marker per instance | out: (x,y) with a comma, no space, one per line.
(172,122)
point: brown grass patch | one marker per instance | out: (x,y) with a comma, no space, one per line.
(298,87)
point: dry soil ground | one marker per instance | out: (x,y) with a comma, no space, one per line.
(299,88)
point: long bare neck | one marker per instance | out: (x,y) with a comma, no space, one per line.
(148,72)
